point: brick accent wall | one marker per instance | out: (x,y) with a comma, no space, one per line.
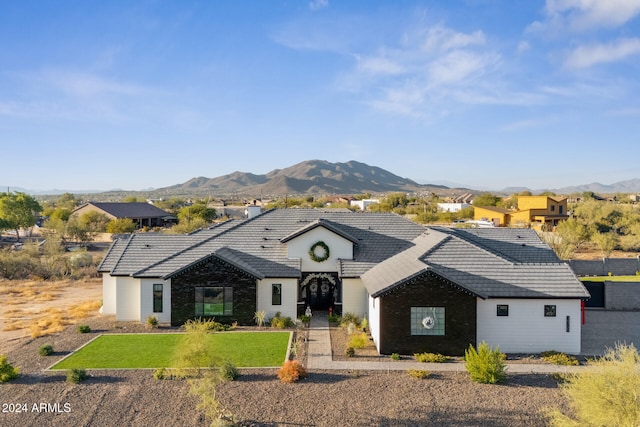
(427,291)
(213,272)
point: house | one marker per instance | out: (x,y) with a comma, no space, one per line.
(364,203)
(452,207)
(143,214)
(422,289)
(534,211)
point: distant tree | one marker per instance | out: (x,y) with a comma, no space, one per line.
(466,213)
(62,214)
(197,210)
(486,199)
(133,199)
(606,242)
(18,210)
(544,193)
(184,227)
(121,226)
(67,200)
(573,232)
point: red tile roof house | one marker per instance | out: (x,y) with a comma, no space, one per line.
(422,289)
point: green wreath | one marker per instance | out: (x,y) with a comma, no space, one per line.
(314,256)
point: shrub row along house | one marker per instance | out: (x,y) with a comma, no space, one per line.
(422,289)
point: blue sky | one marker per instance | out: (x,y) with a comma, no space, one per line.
(97,95)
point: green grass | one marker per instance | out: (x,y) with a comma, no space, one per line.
(611,279)
(243,349)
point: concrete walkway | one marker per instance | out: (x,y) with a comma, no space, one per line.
(319,357)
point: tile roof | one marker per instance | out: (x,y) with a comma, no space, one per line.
(388,251)
(129,210)
(489,263)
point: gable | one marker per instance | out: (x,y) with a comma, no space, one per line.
(339,248)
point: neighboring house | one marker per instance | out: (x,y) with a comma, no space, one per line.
(500,217)
(422,289)
(364,203)
(533,211)
(452,207)
(143,214)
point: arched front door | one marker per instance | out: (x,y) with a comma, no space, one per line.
(319,290)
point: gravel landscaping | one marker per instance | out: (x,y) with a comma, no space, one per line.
(258,398)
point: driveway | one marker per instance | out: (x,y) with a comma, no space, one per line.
(604,328)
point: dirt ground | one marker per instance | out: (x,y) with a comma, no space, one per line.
(257,398)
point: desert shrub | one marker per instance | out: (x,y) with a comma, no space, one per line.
(228,371)
(152,322)
(84,329)
(606,394)
(359,340)
(7,371)
(292,371)
(45,350)
(486,365)
(280,322)
(259,317)
(204,325)
(349,318)
(76,375)
(334,319)
(430,357)
(364,324)
(558,358)
(395,356)
(304,319)
(160,373)
(418,373)
(79,260)
(350,352)
(18,265)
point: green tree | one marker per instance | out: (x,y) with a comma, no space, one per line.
(18,210)
(486,199)
(67,200)
(573,232)
(197,210)
(605,394)
(121,226)
(606,242)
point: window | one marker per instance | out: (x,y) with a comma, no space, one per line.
(549,311)
(157,298)
(553,208)
(560,210)
(502,310)
(214,301)
(276,294)
(427,320)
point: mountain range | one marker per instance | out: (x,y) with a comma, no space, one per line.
(323,177)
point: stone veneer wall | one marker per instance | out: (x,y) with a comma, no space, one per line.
(427,291)
(213,272)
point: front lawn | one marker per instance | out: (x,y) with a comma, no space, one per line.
(243,349)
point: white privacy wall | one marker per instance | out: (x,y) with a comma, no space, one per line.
(108,294)
(127,299)
(526,329)
(374,320)
(339,248)
(354,297)
(289,297)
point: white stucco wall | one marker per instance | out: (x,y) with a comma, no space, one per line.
(289,305)
(146,300)
(354,297)
(526,329)
(127,299)
(108,294)
(374,320)
(339,248)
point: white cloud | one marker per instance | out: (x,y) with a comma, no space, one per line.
(318,4)
(589,55)
(523,46)
(442,38)
(458,66)
(379,65)
(89,85)
(583,15)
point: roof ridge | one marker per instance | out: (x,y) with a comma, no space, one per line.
(486,249)
(115,265)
